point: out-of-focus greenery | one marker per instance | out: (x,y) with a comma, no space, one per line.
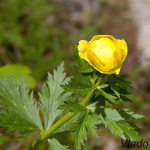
(17,71)
(28,35)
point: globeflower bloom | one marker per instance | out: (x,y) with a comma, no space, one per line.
(105,53)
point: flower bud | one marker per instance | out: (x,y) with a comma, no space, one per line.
(105,53)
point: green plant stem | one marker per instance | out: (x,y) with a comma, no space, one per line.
(65,118)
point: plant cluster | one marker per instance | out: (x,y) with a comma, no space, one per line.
(21,113)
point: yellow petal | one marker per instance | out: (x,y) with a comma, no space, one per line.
(97,37)
(93,59)
(123,46)
(83,56)
(104,49)
(118,70)
(82,45)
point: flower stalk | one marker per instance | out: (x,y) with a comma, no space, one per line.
(65,118)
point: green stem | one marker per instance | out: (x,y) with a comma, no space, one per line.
(65,118)
(91,93)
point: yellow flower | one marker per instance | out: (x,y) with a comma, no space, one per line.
(105,53)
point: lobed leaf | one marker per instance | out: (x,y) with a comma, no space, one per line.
(18,100)
(122,81)
(80,127)
(14,123)
(53,95)
(113,126)
(113,114)
(129,131)
(108,96)
(81,85)
(113,119)
(129,115)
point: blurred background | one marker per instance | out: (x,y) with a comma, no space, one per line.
(35,36)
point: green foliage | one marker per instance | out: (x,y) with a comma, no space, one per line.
(112,125)
(22,114)
(3,139)
(115,121)
(29,36)
(114,87)
(116,90)
(79,128)
(102,86)
(75,107)
(18,100)
(113,91)
(53,95)
(92,107)
(121,81)
(129,115)
(14,123)
(55,145)
(129,131)
(18,71)
(23,108)
(108,96)
(72,107)
(80,84)
(113,114)
(19,107)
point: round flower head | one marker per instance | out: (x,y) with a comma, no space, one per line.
(105,53)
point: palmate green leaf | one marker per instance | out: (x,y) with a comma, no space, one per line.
(53,95)
(122,81)
(18,71)
(55,145)
(82,65)
(129,115)
(14,122)
(113,114)
(113,126)
(113,95)
(108,96)
(80,84)
(115,121)
(129,131)
(72,107)
(118,115)
(18,100)
(80,127)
